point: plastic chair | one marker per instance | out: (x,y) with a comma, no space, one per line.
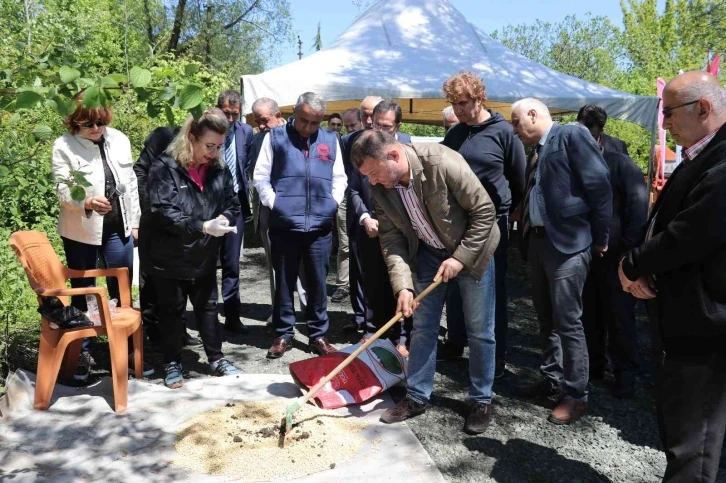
(59,348)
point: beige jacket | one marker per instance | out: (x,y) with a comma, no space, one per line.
(457,208)
(76,153)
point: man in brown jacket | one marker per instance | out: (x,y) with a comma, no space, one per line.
(434,220)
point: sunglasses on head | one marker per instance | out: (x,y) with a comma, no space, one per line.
(668,111)
(91,124)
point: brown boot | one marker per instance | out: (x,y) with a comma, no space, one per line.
(567,411)
(405,409)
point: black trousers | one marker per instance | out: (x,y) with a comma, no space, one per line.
(172,302)
(608,315)
(691,408)
(147,301)
(289,248)
(358,300)
(229,253)
(379,298)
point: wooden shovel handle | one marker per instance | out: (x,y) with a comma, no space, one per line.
(363,346)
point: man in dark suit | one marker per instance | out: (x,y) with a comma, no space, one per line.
(363,229)
(594,119)
(362,315)
(236,147)
(681,270)
(566,213)
(608,313)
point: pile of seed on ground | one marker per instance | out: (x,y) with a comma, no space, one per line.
(243,441)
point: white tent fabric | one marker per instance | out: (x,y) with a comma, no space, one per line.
(405,49)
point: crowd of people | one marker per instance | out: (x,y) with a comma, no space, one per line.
(408,214)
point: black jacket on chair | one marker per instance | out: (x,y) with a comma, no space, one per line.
(171,242)
(687,253)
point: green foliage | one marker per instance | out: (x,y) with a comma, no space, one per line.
(119,52)
(652,44)
(422,130)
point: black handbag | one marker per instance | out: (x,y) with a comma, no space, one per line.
(64,316)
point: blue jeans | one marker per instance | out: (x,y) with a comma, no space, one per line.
(116,251)
(478,307)
(454,314)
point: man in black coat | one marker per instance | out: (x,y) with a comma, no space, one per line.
(681,268)
(362,227)
(594,119)
(608,313)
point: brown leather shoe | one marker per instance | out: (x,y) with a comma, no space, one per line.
(567,411)
(279,347)
(322,346)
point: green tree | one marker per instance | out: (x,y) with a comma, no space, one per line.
(317,40)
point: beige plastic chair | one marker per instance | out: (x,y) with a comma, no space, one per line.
(60,348)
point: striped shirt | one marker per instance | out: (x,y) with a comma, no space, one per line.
(697,148)
(418,218)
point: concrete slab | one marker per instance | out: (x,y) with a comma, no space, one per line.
(81,438)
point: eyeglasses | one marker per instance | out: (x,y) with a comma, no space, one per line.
(668,111)
(213,147)
(91,124)
(388,129)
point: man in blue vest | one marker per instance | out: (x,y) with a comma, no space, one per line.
(236,147)
(300,176)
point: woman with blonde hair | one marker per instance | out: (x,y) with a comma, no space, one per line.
(193,203)
(105,224)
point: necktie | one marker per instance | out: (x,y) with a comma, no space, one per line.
(532,169)
(230,156)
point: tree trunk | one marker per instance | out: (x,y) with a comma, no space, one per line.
(176,29)
(149,28)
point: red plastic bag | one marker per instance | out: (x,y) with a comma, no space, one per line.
(376,369)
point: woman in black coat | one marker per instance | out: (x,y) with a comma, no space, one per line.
(192,202)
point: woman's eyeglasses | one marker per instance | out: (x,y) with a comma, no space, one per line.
(211,148)
(91,124)
(668,111)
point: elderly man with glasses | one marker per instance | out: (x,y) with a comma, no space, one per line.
(680,269)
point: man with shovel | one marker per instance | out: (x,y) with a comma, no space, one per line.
(435,220)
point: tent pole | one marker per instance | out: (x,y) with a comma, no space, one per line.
(652,160)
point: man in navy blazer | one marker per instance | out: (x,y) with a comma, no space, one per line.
(236,147)
(363,234)
(566,214)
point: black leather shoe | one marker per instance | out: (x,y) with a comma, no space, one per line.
(542,388)
(478,419)
(448,351)
(237,327)
(189,340)
(352,326)
(405,409)
(278,349)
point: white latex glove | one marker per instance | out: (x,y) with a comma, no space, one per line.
(218,227)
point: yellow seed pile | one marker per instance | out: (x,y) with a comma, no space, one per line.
(242,441)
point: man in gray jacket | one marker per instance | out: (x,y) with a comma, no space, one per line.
(435,220)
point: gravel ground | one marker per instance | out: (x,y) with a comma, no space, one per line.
(617,441)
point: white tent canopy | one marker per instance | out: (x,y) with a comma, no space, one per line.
(405,50)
